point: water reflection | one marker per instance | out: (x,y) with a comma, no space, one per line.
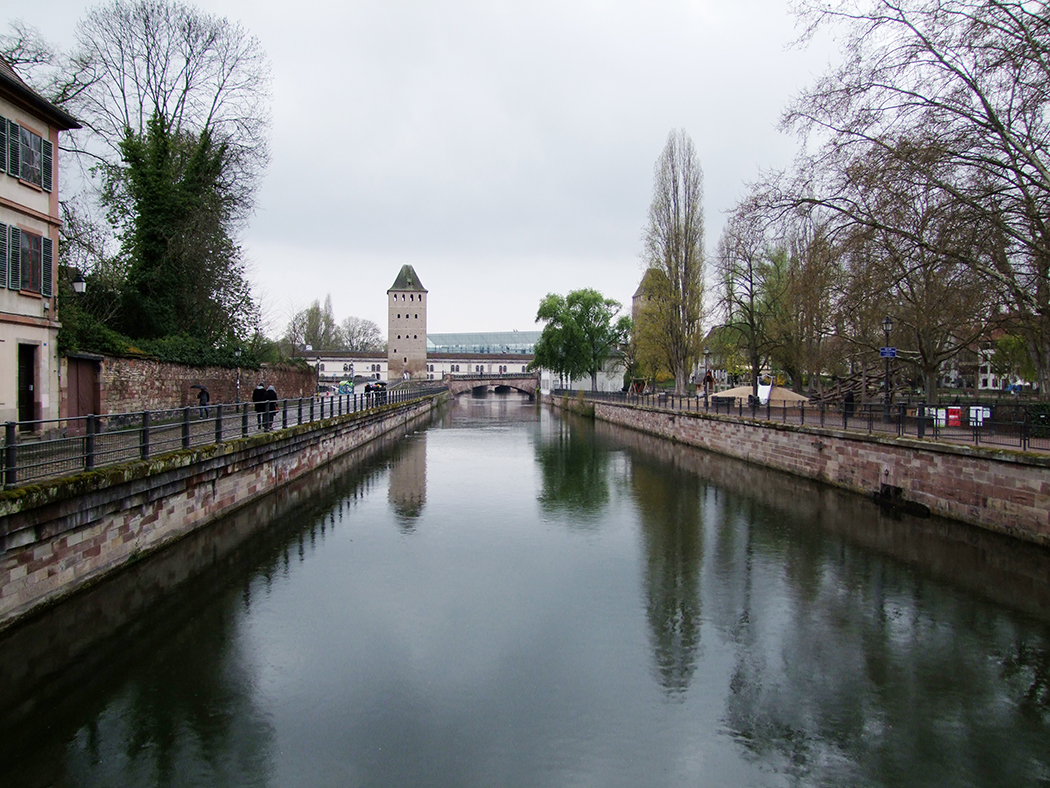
(574,471)
(576,605)
(673,533)
(94,692)
(407,491)
(848,669)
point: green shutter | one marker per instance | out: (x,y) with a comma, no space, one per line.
(3,255)
(47,269)
(45,174)
(3,156)
(14,150)
(14,269)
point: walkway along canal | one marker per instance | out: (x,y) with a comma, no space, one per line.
(999,489)
(60,535)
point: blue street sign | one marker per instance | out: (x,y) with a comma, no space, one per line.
(887,352)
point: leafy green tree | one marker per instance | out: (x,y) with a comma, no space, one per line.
(184,272)
(652,351)
(1012,358)
(582,332)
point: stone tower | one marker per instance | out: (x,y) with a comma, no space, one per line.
(406,326)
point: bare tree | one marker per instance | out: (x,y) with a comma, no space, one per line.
(752,283)
(314,327)
(969,78)
(360,335)
(917,257)
(674,243)
(137,59)
(27,52)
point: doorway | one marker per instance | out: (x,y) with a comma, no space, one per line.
(27,383)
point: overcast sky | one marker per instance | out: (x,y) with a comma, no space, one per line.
(503,149)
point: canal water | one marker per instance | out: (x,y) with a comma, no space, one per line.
(510,597)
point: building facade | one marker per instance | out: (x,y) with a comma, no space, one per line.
(406,326)
(29,224)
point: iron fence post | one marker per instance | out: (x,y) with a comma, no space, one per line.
(218,423)
(185,428)
(244,419)
(10,454)
(89,443)
(299,417)
(144,437)
(284,414)
(312,410)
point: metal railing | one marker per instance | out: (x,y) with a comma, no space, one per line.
(1013,425)
(35,450)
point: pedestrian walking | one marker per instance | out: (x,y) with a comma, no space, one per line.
(203,398)
(271,406)
(259,398)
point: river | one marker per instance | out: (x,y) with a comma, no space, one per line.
(511,597)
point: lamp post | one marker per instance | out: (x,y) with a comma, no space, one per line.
(887,327)
(707,371)
(237,353)
(79,283)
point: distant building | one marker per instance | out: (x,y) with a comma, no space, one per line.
(29,222)
(500,342)
(406,326)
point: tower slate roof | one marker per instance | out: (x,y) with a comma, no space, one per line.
(407,281)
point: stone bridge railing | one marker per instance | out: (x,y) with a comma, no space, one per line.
(459,384)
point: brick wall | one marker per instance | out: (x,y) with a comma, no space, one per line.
(1001,490)
(129,385)
(56,538)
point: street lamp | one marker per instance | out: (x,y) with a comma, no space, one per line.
(79,283)
(887,327)
(707,371)
(237,353)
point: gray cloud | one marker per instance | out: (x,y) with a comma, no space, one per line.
(503,149)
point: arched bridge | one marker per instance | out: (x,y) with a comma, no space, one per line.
(526,383)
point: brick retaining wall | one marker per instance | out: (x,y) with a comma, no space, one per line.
(1001,490)
(57,537)
(129,385)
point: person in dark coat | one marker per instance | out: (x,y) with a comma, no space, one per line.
(203,398)
(271,405)
(847,404)
(259,398)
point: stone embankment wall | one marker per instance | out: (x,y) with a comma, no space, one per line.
(129,385)
(58,537)
(1001,490)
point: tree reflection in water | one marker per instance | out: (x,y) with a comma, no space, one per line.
(673,534)
(574,473)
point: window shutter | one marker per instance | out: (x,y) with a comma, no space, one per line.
(3,157)
(14,150)
(47,269)
(14,270)
(3,255)
(45,175)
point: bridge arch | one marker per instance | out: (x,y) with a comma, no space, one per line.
(459,384)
